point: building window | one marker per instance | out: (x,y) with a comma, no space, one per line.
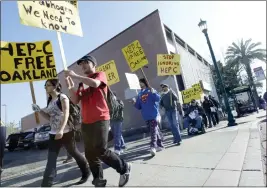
(191,51)
(179,41)
(206,63)
(199,57)
(168,33)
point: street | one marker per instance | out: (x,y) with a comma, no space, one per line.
(224,156)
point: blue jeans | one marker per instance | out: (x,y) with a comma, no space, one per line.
(198,120)
(116,128)
(174,125)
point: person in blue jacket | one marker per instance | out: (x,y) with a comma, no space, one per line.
(147,101)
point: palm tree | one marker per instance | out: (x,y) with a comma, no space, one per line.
(243,55)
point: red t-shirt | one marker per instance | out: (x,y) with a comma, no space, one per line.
(94,106)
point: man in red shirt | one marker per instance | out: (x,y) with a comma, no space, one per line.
(95,121)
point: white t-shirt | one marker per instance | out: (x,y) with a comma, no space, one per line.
(56,115)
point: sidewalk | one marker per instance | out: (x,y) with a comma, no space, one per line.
(224,156)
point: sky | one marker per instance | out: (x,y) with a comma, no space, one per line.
(228,22)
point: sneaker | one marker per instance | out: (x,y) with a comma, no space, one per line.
(99,182)
(160,149)
(117,152)
(177,143)
(153,151)
(83,179)
(124,179)
(67,160)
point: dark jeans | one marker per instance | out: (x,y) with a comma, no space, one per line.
(216,117)
(95,138)
(211,117)
(116,128)
(54,147)
(174,125)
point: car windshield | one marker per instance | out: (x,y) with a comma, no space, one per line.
(44,129)
(29,135)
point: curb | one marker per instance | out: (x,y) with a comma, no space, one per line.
(253,175)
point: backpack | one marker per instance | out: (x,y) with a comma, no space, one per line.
(74,113)
(113,104)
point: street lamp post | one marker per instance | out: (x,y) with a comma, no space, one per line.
(231,121)
(4,105)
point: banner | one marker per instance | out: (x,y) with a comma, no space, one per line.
(135,55)
(192,93)
(168,64)
(24,62)
(60,16)
(133,81)
(111,72)
(259,73)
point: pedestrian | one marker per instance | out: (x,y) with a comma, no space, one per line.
(262,103)
(92,93)
(68,159)
(265,96)
(209,107)
(116,128)
(216,105)
(61,134)
(147,101)
(169,102)
(2,146)
(198,113)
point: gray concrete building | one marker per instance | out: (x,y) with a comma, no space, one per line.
(155,38)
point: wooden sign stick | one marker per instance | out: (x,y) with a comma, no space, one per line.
(145,76)
(34,102)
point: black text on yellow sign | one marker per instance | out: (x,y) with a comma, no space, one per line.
(61,16)
(111,72)
(24,62)
(135,55)
(168,64)
(192,93)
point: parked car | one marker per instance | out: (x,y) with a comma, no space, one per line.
(28,141)
(15,140)
(41,137)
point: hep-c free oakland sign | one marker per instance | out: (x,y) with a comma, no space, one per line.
(60,16)
(135,55)
(24,62)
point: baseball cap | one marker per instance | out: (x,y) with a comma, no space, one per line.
(164,85)
(88,58)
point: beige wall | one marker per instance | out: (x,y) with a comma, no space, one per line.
(150,34)
(28,122)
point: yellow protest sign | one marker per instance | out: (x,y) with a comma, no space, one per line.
(197,88)
(135,55)
(192,93)
(74,3)
(168,64)
(60,16)
(24,62)
(111,72)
